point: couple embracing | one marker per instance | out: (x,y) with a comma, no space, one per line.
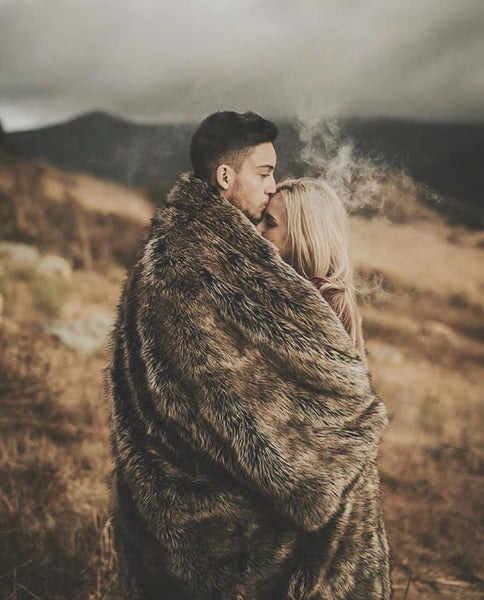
(245,430)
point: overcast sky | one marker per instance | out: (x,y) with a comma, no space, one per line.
(158,61)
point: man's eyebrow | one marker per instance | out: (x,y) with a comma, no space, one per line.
(271,167)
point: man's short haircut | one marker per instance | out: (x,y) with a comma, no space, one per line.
(227,137)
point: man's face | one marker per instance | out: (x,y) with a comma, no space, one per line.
(254,182)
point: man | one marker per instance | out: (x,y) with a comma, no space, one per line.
(235,153)
(245,429)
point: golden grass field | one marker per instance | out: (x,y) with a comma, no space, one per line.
(422,289)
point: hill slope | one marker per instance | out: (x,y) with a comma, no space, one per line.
(91,222)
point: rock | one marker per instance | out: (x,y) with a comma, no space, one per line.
(86,336)
(54,266)
(387,353)
(439,330)
(20,254)
(9,326)
(28,257)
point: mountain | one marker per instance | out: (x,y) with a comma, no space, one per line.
(109,147)
(444,156)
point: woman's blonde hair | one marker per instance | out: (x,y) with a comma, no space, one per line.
(318,246)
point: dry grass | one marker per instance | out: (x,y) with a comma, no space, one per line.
(423,312)
(89,222)
(420,256)
(54,468)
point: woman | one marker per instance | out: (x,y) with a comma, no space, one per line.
(308,224)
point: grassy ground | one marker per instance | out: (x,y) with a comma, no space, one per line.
(424,327)
(432,461)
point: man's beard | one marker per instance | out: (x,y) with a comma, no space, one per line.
(236,202)
(254,220)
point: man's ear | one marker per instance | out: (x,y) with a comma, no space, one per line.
(224,176)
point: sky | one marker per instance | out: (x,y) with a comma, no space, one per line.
(157,61)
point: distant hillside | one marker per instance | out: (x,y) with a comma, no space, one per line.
(446,157)
(5,146)
(110,148)
(90,222)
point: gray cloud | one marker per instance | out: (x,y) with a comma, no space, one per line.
(159,61)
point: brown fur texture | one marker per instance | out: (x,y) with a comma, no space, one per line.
(245,430)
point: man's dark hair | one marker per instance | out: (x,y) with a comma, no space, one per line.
(227,137)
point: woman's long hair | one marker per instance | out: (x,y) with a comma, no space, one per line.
(318,246)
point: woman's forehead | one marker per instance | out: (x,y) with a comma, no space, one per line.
(276,203)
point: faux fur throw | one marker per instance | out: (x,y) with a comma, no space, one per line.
(245,429)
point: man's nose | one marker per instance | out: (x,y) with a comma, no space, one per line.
(271,189)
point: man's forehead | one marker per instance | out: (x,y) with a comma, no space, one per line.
(263,155)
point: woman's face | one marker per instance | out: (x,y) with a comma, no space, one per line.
(274,224)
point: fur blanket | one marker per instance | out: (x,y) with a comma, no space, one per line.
(244,428)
